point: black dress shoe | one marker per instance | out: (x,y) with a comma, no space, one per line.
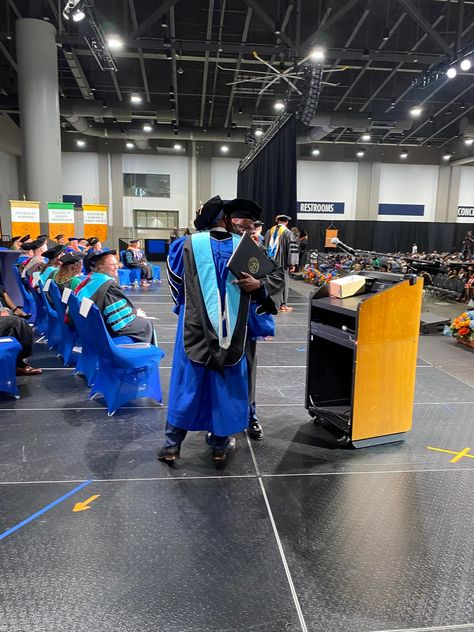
(254,430)
(219,455)
(168,455)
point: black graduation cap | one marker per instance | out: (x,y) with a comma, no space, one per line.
(42,237)
(53,252)
(37,243)
(71,257)
(258,223)
(72,239)
(93,241)
(133,241)
(242,208)
(94,259)
(25,239)
(208,213)
(284,218)
(91,238)
(16,239)
(58,237)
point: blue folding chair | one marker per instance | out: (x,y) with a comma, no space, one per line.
(126,372)
(124,277)
(29,305)
(41,320)
(156,273)
(69,335)
(87,361)
(135,274)
(9,349)
(53,332)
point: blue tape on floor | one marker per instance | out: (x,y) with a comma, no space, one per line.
(44,510)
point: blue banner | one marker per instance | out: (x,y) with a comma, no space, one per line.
(320,207)
(413,210)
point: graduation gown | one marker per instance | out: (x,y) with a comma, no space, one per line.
(208,389)
(282,246)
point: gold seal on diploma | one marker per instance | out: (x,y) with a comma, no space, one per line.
(254,265)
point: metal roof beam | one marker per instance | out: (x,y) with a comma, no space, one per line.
(153,18)
(423,22)
(248,18)
(141,61)
(326,25)
(210,15)
(174,69)
(268,21)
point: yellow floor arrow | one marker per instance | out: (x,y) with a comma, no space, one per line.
(85,505)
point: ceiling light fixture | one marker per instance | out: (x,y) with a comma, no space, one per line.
(317,55)
(404,155)
(78,16)
(386,34)
(114,42)
(81,143)
(468,141)
(73,9)
(279,106)
(224,149)
(451,72)
(366,137)
(316,151)
(178,147)
(416,111)
(129,145)
(466,64)
(135,98)
(147,127)
(447,156)
(360,153)
(258,132)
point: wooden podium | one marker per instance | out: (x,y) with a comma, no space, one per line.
(362,352)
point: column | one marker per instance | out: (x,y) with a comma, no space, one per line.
(39,110)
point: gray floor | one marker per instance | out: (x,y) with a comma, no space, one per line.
(296,533)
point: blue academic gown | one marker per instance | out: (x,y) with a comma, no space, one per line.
(200,398)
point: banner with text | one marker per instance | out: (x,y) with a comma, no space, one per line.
(95,221)
(312,210)
(61,219)
(466,211)
(25,218)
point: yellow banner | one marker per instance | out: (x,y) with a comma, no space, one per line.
(25,218)
(95,221)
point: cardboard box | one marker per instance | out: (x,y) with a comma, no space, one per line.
(347,286)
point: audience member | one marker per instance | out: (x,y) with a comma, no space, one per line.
(135,258)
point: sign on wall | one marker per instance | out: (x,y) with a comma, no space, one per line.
(25,218)
(61,219)
(95,221)
(306,208)
(466,211)
(413,210)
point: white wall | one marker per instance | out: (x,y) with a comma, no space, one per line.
(174,166)
(321,181)
(8,188)
(224,177)
(81,176)
(409,184)
(466,192)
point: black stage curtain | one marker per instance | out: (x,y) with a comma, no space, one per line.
(389,236)
(270,179)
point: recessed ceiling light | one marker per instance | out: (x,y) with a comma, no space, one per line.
(129,145)
(451,72)
(177,146)
(114,42)
(317,55)
(366,138)
(258,133)
(81,143)
(404,155)
(147,127)
(279,106)
(468,141)
(316,151)
(447,156)
(136,98)
(224,149)
(416,111)
(466,64)
(360,153)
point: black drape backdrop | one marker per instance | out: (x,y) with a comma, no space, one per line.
(389,236)
(270,179)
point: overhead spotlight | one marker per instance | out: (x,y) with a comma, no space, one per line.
(416,111)
(316,151)
(78,16)
(451,72)
(404,155)
(178,147)
(168,54)
(468,141)
(365,138)
(114,42)
(240,109)
(135,98)
(81,143)
(386,34)
(360,153)
(129,145)
(462,106)
(147,127)
(317,55)
(279,106)
(258,132)
(180,70)
(224,149)
(164,23)
(466,64)
(73,10)
(432,120)
(447,156)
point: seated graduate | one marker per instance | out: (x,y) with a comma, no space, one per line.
(95,247)
(135,258)
(70,271)
(25,252)
(73,245)
(119,313)
(82,244)
(36,261)
(12,324)
(61,240)
(15,243)
(209,388)
(53,256)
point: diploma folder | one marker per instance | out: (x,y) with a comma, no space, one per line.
(249,258)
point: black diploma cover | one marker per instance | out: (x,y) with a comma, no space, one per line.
(249,258)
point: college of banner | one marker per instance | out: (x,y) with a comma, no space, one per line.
(95,221)
(25,218)
(61,219)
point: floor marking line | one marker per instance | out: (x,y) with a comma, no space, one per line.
(459,455)
(455,378)
(462,626)
(278,540)
(44,510)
